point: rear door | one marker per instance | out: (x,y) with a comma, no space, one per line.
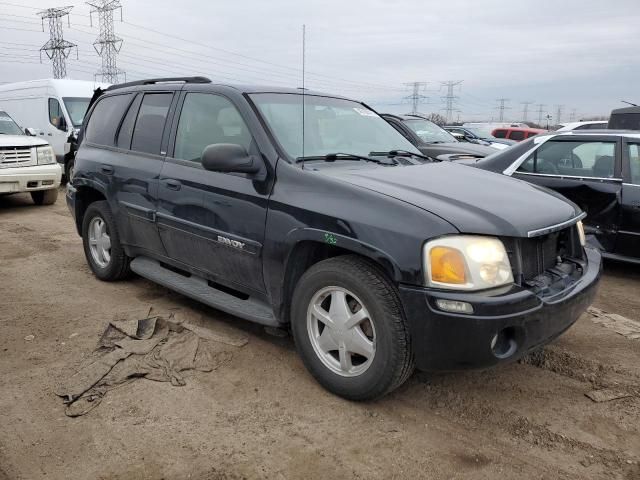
(587,170)
(129,131)
(213,222)
(628,242)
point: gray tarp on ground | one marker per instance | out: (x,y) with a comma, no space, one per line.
(141,344)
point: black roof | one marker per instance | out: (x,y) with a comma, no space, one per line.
(204,80)
(625,110)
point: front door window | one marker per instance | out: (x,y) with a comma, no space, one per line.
(572,158)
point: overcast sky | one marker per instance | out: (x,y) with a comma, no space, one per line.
(582,54)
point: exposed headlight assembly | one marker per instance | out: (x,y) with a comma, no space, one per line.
(466,262)
(45,155)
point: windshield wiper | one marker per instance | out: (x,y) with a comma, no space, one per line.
(332,157)
(399,153)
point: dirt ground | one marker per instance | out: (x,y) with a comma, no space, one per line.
(261,415)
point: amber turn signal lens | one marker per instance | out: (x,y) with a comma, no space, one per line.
(447,266)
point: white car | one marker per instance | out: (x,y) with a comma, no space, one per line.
(593,125)
(27,164)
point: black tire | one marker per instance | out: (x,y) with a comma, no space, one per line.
(45,197)
(393,361)
(118,266)
(68,169)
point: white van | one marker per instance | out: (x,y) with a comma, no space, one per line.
(50,109)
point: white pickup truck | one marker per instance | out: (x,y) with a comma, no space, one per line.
(27,164)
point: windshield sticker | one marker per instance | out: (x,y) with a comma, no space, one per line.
(364,112)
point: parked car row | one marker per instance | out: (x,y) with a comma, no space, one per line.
(379,258)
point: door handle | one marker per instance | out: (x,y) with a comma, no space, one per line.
(172,184)
(106,169)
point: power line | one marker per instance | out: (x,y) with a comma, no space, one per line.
(540,112)
(56,48)
(502,107)
(450,98)
(107,44)
(416,96)
(559,114)
(525,111)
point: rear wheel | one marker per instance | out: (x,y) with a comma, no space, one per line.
(101,241)
(349,329)
(45,197)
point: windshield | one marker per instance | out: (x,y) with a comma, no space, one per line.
(429,131)
(332,125)
(76,108)
(8,126)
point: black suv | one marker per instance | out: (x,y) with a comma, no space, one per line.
(376,257)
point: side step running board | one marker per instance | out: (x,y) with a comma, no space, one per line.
(199,289)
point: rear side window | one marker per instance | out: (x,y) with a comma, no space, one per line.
(500,134)
(126,129)
(634,163)
(105,119)
(147,133)
(516,135)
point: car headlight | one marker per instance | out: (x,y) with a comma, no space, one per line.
(466,262)
(580,227)
(45,155)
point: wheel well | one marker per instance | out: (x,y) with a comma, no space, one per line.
(85,196)
(304,255)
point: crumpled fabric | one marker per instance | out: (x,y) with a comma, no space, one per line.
(134,345)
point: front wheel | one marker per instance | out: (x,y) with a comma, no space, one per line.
(101,242)
(349,328)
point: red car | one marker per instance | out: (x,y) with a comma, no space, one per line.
(516,133)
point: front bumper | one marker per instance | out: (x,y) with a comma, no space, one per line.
(28,179)
(449,341)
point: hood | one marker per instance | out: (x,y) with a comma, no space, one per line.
(21,141)
(435,149)
(472,200)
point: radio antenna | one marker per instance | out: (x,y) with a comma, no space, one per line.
(304,32)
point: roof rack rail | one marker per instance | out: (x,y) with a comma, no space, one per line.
(152,81)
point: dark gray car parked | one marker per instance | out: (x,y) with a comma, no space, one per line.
(433,140)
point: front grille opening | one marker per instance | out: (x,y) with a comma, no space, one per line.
(32,184)
(531,257)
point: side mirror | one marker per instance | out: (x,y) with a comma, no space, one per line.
(31,132)
(228,157)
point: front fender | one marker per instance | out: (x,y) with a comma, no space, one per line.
(359,247)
